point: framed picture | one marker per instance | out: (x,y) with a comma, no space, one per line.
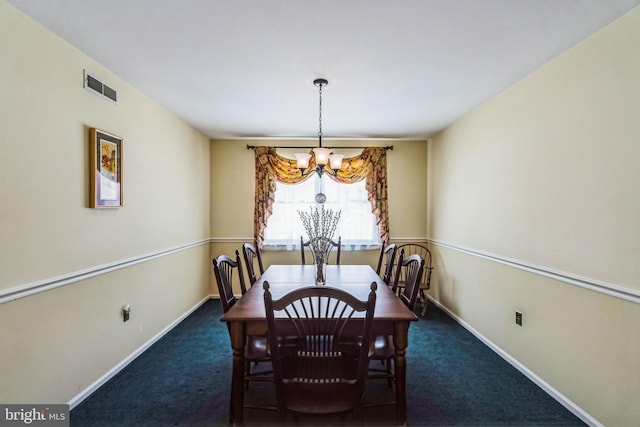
(105,171)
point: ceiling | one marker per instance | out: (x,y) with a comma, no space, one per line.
(396,69)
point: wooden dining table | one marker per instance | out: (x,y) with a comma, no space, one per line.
(247,317)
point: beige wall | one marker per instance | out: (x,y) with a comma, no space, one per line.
(546,176)
(58,342)
(233,189)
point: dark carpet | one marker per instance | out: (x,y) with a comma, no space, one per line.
(453,379)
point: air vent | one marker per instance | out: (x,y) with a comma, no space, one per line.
(110,93)
(96,86)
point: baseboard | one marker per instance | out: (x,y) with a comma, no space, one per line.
(123,364)
(550,390)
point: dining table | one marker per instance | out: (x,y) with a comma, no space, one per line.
(247,317)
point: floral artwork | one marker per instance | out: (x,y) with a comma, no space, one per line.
(106,170)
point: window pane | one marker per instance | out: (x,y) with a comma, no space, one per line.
(357,225)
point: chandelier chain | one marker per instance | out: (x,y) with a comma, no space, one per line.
(320,116)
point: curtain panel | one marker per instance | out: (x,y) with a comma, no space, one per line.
(370,165)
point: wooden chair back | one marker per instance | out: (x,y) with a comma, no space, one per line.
(411,269)
(423,251)
(386,258)
(251,255)
(425,281)
(224,267)
(319,339)
(307,244)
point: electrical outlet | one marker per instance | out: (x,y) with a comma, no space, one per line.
(518,318)
(126,311)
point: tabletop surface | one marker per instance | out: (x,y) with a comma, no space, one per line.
(356,279)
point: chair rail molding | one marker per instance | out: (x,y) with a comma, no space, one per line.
(627,294)
(399,240)
(7,295)
(231,239)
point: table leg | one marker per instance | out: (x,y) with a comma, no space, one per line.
(236,405)
(400,341)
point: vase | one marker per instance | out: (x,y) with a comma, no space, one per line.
(319,261)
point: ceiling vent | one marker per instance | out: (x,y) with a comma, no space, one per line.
(94,85)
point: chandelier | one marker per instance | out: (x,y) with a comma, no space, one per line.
(323,155)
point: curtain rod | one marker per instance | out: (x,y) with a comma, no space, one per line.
(253,147)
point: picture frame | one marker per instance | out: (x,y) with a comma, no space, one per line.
(105,170)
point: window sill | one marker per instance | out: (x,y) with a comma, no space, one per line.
(345,247)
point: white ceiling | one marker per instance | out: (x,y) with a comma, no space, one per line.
(397,69)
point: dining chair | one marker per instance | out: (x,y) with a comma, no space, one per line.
(224,267)
(256,348)
(316,371)
(382,348)
(251,254)
(425,283)
(307,244)
(387,257)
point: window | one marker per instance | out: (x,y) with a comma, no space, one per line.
(357,225)
(370,165)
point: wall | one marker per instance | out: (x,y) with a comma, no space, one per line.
(66,269)
(533,206)
(233,189)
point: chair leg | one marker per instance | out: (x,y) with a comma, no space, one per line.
(231,419)
(343,419)
(423,301)
(247,373)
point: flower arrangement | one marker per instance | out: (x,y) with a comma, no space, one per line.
(320,225)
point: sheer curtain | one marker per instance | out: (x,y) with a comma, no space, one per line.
(357,227)
(370,165)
